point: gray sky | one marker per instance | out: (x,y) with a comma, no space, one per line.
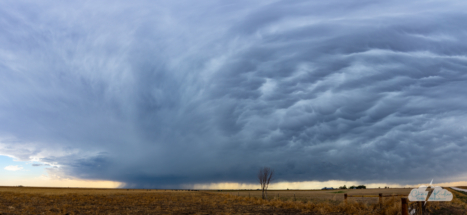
(164,93)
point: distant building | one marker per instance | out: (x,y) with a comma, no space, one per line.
(327,188)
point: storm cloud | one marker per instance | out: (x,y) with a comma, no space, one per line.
(164,93)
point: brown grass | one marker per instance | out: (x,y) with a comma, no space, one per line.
(322,195)
(122,201)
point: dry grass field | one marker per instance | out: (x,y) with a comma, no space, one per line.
(26,200)
(322,195)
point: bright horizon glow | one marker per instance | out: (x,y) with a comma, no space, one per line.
(45,181)
(16,172)
(310,185)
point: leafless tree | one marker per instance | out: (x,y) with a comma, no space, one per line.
(265,175)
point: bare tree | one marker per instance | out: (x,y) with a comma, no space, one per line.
(265,175)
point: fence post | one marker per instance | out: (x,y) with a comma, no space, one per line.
(345,198)
(404,207)
(419,208)
(380,200)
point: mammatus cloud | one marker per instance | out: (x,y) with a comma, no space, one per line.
(161,94)
(13,168)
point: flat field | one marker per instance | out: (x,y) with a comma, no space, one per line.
(322,195)
(28,200)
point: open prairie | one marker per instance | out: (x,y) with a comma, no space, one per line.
(27,200)
(321,195)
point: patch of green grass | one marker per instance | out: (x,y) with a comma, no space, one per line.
(339,192)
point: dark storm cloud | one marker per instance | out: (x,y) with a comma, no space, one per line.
(163,94)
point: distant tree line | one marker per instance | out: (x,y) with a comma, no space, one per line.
(353,187)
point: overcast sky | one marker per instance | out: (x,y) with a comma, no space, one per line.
(167,93)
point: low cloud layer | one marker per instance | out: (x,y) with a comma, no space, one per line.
(163,94)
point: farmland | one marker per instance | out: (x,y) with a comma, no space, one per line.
(27,200)
(322,195)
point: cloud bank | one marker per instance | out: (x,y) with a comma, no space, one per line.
(161,93)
